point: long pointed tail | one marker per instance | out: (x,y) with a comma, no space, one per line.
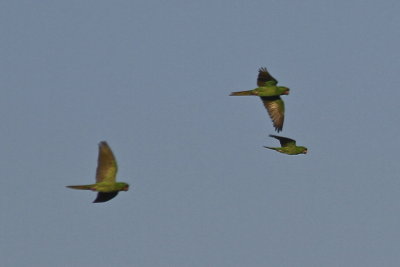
(273,148)
(81,187)
(250,92)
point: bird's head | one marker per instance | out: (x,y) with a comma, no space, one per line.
(305,150)
(284,90)
(123,186)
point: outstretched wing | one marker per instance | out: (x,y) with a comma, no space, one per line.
(264,76)
(284,140)
(103,197)
(106,164)
(276,110)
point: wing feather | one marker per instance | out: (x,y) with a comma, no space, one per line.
(106,164)
(284,140)
(264,76)
(103,197)
(276,110)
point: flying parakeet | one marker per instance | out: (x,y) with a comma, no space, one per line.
(107,168)
(288,146)
(270,94)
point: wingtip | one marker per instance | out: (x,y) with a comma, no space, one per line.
(262,69)
(94,201)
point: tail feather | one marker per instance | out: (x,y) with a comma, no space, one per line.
(81,187)
(250,92)
(273,148)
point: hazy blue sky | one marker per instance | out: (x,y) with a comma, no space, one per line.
(153,78)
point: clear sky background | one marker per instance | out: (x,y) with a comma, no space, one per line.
(153,79)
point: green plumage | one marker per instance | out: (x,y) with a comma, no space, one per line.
(270,94)
(288,146)
(106,174)
(101,187)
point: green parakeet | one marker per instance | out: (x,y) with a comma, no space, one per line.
(288,146)
(106,173)
(270,94)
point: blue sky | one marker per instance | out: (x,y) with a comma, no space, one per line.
(153,78)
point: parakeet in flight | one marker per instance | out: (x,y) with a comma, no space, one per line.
(270,94)
(106,172)
(288,146)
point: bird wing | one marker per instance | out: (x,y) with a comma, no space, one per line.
(284,140)
(276,110)
(106,164)
(264,76)
(103,197)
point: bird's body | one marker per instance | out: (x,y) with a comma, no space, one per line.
(288,146)
(101,187)
(106,184)
(270,89)
(270,94)
(288,150)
